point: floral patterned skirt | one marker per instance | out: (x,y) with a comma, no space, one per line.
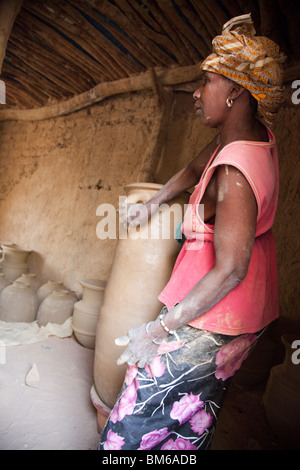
(173,404)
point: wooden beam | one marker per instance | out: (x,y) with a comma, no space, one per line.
(8,12)
(168,77)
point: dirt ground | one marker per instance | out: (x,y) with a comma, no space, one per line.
(55,411)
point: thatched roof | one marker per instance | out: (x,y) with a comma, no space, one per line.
(58,49)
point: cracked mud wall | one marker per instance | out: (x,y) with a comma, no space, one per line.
(55,173)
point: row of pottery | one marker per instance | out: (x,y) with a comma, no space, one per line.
(24,301)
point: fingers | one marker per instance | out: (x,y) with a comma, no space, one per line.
(123,341)
(142,363)
(140,350)
(125,357)
(132,213)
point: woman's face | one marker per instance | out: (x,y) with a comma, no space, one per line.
(211,99)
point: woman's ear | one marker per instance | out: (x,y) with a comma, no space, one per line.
(236,91)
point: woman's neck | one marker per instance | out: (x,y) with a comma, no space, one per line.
(242,124)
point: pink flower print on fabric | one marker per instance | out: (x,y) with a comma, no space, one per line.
(131,374)
(156,368)
(170,346)
(151,439)
(231,356)
(186,407)
(126,403)
(113,441)
(201,421)
(178,444)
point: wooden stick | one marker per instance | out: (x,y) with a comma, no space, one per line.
(144,81)
(168,77)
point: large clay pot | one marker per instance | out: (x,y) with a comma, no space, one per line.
(141,268)
(48,288)
(86,311)
(31,279)
(56,308)
(18,303)
(14,261)
(3,282)
(282,396)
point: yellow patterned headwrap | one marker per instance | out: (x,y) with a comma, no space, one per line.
(254,62)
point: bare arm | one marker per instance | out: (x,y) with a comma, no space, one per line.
(187,177)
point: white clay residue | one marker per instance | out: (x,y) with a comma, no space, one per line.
(223,189)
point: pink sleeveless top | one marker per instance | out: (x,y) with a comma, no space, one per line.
(253,303)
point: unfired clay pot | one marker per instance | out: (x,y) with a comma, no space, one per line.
(55,308)
(30,279)
(282,396)
(18,303)
(14,261)
(86,311)
(48,288)
(141,268)
(3,282)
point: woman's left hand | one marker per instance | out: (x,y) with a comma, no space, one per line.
(141,349)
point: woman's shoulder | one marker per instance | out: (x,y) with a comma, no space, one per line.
(243,150)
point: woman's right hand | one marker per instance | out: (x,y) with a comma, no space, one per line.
(133,214)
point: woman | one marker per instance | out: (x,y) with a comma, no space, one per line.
(223,289)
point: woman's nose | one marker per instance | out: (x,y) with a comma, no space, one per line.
(197,94)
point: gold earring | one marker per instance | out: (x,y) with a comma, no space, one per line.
(229,102)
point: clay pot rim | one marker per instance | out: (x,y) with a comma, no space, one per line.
(22,284)
(148,186)
(95,284)
(16,248)
(59,292)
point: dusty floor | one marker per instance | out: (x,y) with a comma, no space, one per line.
(56,412)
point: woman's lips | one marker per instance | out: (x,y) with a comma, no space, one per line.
(197,107)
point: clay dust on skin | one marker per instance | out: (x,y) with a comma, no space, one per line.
(223,189)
